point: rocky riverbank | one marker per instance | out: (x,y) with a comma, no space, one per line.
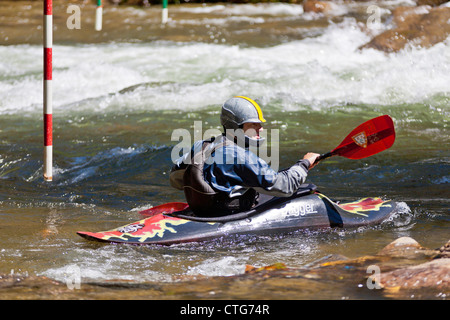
(401,270)
(392,27)
(422,25)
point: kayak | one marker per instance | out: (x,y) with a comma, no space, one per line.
(174,223)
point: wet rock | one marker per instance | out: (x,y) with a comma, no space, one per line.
(430,275)
(316,6)
(406,269)
(433,3)
(407,248)
(434,274)
(444,251)
(402,242)
(421,26)
(401,247)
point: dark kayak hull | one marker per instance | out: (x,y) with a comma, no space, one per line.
(310,211)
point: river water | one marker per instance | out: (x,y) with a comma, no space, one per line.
(120,93)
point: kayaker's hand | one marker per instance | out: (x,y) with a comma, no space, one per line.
(311,157)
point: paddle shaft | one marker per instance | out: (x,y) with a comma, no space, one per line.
(324,156)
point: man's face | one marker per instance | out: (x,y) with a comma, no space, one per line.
(253,129)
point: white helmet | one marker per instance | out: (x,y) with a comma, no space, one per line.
(237,111)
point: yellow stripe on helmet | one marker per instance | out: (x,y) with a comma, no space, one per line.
(257,107)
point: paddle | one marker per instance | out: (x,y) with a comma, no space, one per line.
(369,138)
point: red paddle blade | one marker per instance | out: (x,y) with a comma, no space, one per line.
(165,208)
(367,139)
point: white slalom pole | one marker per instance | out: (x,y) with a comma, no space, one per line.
(48,112)
(98,16)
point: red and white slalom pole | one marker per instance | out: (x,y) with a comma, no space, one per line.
(48,121)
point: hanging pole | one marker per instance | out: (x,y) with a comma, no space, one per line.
(48,121)
(165,12)
(98,16)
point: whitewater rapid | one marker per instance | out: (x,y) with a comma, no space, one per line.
(318,72)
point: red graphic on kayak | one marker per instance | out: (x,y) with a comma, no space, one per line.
(151,227)
(366,204)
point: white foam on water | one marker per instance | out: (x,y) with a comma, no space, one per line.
(223,266)
(272,9)
(108,263)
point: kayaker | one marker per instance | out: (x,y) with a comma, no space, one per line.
(222,176)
